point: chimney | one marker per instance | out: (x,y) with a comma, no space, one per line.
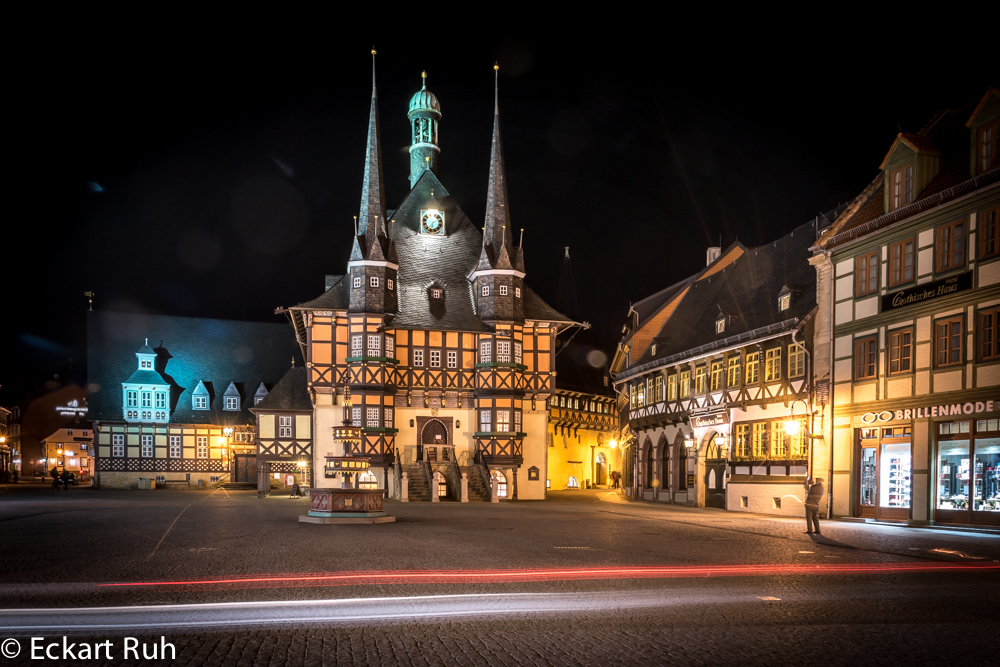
(712,254)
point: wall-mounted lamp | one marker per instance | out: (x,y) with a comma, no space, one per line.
(613,444)
(688,442)
(458,424)
(792,427)
(411,423)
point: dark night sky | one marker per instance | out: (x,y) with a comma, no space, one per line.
(637,158)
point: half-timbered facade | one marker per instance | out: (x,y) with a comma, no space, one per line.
(284,434)
(169,397)
(583,441)
(909,298)
(713,368)
(448,354)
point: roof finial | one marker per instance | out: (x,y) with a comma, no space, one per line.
(355,225)
(423,76)
(520,244)
(293,362)
(503,240)
(147,341)
(373,67)
(496,88)
(567,251)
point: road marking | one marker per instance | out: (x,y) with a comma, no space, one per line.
(165,534)
(807,552)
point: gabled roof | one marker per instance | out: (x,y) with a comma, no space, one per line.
(193,351)
(917,142)
(291,393)
(746,290)
(146,377)
(992,92)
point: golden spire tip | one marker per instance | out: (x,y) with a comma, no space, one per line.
(373,50)
(496,66)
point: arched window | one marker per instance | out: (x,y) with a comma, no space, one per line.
(649,464)
(665,463)
(501,484)
(368,480)
(572,483)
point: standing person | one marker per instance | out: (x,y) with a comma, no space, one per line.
(814,495)
(55,478)
(65,478)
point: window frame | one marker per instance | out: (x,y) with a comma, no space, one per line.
(373,281)
(715,383)
(734,366)
(903,197)
(435,356)
(486,290)
(232,403)
(418,358)
(751,374)
(388,284)
(200,402)
(993,215)
(939,254)
(950,337)
(901,246)
(892,347)
(357,282)
(994,330)
(174,449)
(672,385)
(796,360)
(452,359)
(701,379)
(863,288)
(658,388)
(146,446)
(201,447)
(772,364)
(503,290)
(870,365)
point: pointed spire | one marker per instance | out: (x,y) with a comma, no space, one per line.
(423,80)
(497,216)
(519,255)
(372,212)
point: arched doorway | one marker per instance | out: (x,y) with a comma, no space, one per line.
(715,471)
(368,480)
(649,464)
(572,483)
(600,469)
(433,436)
(442,485)
(664,463)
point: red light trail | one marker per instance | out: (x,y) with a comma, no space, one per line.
(375,577)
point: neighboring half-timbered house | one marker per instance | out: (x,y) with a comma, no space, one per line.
(284,433)
(170,397)
(447,353)
(713,368)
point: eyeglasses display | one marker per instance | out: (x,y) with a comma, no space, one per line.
(894,474)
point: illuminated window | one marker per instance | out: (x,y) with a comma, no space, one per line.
(672,387)
(146,444)
(733,371)
(388,284)
(720,325)
(517,421)
(485,355)
(640,396)
(372,421)
(175,447)
(232,402)
(753,365)
(367,480)
(201,402)
(503,421)
(517,353)
(742,440)
(700,380)
(388,417)
(517,292)
(435,293)
(796,360)
(374,345)
(201,446)
(685,384)
(784,301)
(760,443)
(452,359)
(772,364)
(284,426)
(716,375)
(390,347)
(486,421)
(658,389)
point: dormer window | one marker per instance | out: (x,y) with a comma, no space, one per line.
(435,294)
(901,184)
(652,350)
(232,402)
(784,301)
(201,402)
(199,397)
(720,324)
(388,284)
(988,148)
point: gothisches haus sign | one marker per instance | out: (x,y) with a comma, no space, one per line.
(927,292)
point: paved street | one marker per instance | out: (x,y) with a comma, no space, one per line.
(581,579)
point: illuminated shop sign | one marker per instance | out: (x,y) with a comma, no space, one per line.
(71,409)
(955,409)
(710,420)
(927,291)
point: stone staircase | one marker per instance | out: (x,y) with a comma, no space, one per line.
(419,491)
(477,490)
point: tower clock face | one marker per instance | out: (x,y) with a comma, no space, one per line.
(432,222)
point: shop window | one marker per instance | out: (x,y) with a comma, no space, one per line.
(866,274)
(948,342)
(716,375)
(901,187)
(753,365)
(742,440)
(865,358)
(772,364)
(759,443)
(733,371)
(989,244)
(951,246)
(685,384)
(900,351)
(901,262)
(989,330)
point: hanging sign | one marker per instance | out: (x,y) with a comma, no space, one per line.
(927,291)
(710,420)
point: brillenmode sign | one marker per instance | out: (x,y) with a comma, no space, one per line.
(955,409)
(928,291)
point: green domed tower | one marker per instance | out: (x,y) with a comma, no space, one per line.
(424,115)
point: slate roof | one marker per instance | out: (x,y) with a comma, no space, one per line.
(189,350)
(424,260)
(291,393)
(746,292)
